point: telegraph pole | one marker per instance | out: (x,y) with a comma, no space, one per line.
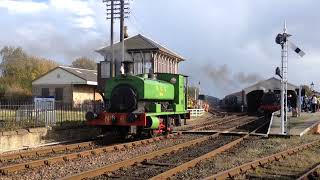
(113,65)
(122,29)
(116,9)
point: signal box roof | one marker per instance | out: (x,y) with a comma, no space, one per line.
(142,43)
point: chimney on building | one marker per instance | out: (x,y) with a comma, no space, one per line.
(126,35)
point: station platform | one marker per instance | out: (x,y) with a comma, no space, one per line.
(298,126)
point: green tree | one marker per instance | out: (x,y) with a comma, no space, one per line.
(307,89)
(2,90)
(84,63)
(11,60)
(18,70)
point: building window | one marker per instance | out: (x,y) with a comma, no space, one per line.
(45,92)
(59,94)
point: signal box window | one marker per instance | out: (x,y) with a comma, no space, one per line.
(45,92)
(59,94)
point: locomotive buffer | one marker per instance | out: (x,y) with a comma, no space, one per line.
(282,39)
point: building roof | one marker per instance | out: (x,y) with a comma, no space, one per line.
(68,75)
(142,43)
(271,83)
(86,74)
(239,94)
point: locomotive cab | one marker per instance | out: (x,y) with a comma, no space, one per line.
(270,102)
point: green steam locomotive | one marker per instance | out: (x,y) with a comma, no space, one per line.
(140,104)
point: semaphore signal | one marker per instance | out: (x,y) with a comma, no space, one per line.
(283,40)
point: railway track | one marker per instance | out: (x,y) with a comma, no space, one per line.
(211,123)
(253,165)
(207,121)
(13,162)
(224,126)
(248,150)
(300,165)
(7,159)
(155,166)
(171,153)
(63,153)
(312,173)
(217,124)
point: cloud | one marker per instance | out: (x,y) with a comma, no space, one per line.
(23,7)
(76,7)
(64,30)
(231,36)
(78,11)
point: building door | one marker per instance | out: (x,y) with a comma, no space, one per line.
(45,92)
(59,94)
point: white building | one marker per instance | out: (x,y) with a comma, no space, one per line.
(67,85)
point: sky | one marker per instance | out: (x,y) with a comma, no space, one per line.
(228,44)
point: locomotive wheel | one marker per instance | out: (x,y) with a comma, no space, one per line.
(139,134)
(123,132)
(177,121)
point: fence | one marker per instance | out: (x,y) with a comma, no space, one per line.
(15,115)
(196,112)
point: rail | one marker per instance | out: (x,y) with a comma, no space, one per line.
(129,162)
(309,172)
(196,112)
(194,162)
(230,173)
(69,156)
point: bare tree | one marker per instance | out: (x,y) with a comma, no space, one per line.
(84,63)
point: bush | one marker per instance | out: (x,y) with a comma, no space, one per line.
(16,92)
(2,90)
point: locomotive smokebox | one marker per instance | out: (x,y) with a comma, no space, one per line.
(128,67)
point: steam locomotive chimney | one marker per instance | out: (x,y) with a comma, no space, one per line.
(126,35)
(128,67)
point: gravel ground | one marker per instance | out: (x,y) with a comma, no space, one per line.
(146,170)
(249,150)
(31,158)
(79,165)
(207,119)
(253,125)
(229,124)
(289,168)
(96,144)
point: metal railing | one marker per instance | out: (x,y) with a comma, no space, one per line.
(196,112)
(28,114)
